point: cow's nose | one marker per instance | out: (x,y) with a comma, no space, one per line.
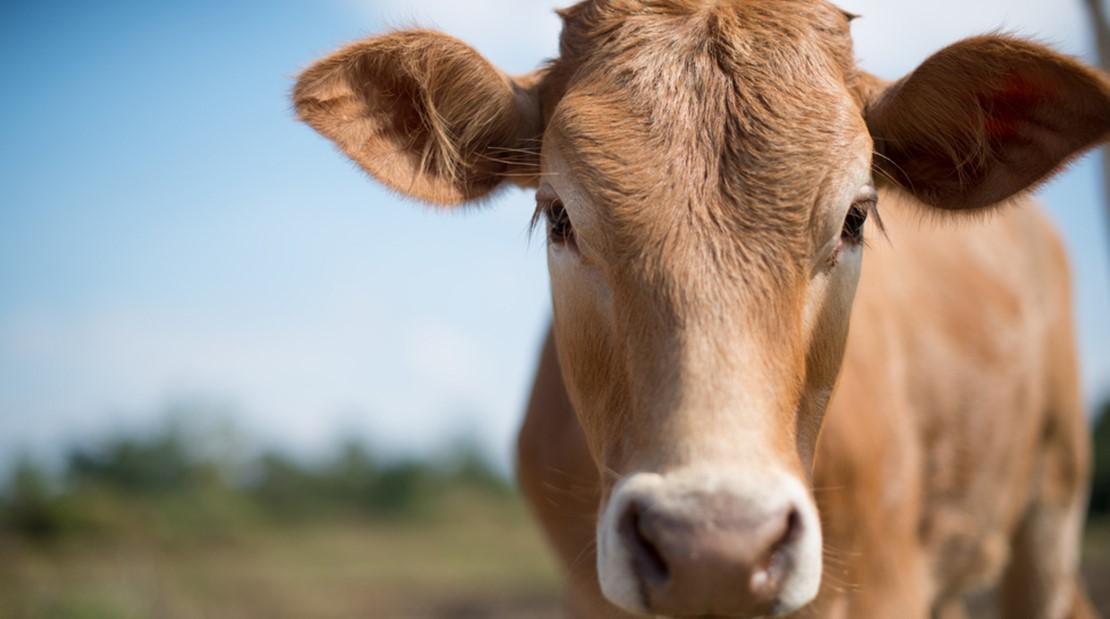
(725,559)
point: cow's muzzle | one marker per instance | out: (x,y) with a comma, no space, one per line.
(710,545)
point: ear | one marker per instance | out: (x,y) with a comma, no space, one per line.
(425,114)
(985,119)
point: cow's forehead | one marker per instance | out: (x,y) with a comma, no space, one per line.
(728,112)
(596,24)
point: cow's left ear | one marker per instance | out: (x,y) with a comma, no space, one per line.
(984,119)
(426,115)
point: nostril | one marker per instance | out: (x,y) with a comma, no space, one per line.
(792,530)
(650,565)
(768,576)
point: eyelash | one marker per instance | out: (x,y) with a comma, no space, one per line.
(560,231)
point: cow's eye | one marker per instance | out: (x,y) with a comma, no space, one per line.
(559,228)
(852,232)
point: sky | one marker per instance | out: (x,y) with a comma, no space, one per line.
(169,233)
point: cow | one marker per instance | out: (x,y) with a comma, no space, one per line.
(723,191)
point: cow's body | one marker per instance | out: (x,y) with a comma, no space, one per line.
(704,169)
(956,427)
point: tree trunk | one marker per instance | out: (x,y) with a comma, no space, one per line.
(1101,23)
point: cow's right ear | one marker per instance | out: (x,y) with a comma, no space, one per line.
(985,119)
(426,115)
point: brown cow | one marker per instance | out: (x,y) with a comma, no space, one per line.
(705,170)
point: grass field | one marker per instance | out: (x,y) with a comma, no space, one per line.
(484,560)
(139,527)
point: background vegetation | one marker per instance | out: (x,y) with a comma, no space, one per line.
(186,522)
(178,522)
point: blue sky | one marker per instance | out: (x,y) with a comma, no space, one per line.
(168,232)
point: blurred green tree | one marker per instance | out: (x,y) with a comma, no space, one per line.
(190,480)
(1100,482)
(159,464)
(30,508)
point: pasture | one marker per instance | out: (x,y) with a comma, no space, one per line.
(346,536)
(478,560)
(486,561)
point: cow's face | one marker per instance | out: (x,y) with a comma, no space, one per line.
(704,170)
(705,179)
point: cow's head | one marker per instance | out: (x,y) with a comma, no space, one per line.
(704,171)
